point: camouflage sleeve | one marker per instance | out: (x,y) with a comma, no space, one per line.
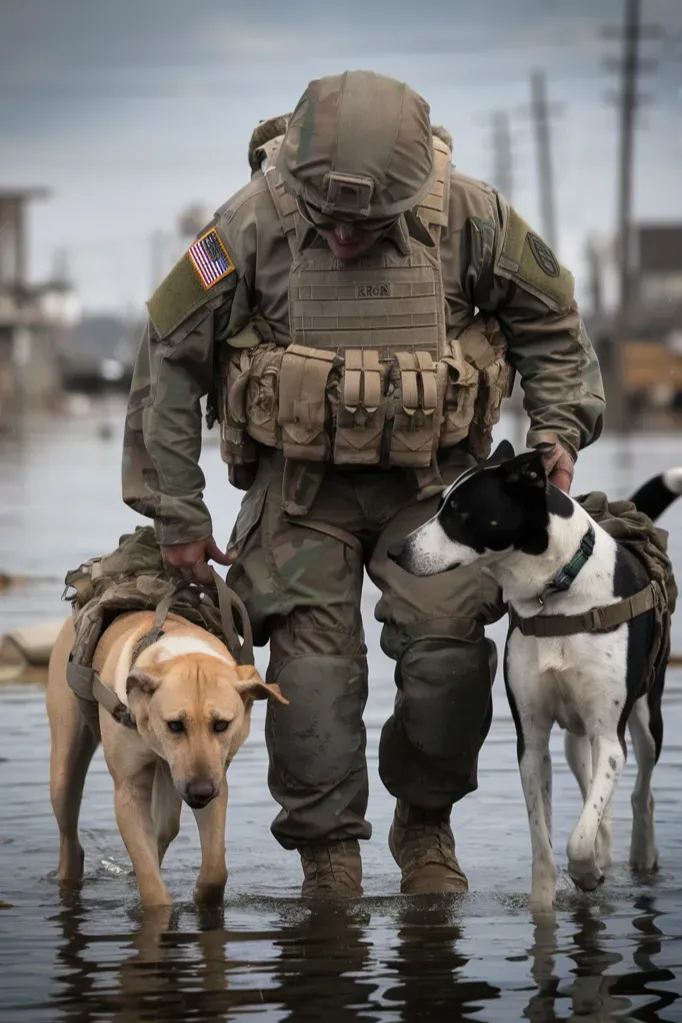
(520,281)
(161,476)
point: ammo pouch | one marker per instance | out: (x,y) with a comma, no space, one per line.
(303,403)
(416,410)
(358,409)
(248,379)
(236,446)
(484,347)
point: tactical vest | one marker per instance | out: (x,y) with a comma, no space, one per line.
(369,376)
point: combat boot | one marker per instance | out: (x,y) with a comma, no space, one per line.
(332,870)
(423,846)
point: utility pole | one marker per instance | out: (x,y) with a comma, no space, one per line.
(627,139)
(541,123)
(629,68)
(595,278)
(503,177)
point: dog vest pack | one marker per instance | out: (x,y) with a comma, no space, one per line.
(135,577)
(635,531)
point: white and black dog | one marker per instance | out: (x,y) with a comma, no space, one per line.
(525,531)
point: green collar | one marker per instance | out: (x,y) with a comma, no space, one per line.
(566,575)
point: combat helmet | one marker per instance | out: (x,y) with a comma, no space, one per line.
(358,146)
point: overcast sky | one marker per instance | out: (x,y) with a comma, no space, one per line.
(128,110)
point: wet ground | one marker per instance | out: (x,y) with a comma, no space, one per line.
(616,954)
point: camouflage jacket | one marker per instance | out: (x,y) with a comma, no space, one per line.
(490,260)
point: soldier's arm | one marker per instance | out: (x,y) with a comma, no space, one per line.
(174,370)
(520,281)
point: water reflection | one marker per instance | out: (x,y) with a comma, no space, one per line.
(317,962)
(428,966)
(600,988)
(321,961)
(158,971)
(324,964)
(649,942)
(397,959)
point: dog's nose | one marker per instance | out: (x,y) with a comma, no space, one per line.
(396,551)
(199,792)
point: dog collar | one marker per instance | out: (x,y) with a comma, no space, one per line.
(566,575)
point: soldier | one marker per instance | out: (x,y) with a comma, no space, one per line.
(361,307)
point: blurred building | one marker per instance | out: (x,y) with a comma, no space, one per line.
(640,343)
(30,316)
(98,352)
(658,260)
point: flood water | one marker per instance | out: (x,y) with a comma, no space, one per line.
(616,954)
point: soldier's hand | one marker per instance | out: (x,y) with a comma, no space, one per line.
(558,464)
(191,559)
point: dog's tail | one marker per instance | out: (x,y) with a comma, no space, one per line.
(658,493)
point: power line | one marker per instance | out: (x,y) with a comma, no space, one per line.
(164,83)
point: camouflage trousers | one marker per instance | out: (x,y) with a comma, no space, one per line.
(303,590)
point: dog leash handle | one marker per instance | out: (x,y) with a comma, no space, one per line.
(229,602)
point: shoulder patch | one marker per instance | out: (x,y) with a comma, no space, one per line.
(198,276)
(544,256)
(210,259)
(526,259)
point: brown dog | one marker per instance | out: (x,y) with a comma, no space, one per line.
(192,707)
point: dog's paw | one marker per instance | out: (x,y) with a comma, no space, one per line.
(209,894)
(644,861)
(71,864)
(543,891)
(586,875)
(604,856)
(542,902)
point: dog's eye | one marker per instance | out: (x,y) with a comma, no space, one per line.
(221,726)
(177,726)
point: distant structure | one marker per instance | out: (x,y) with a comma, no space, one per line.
(640,345)
(30,316)
(98,352)
(191,221)
(658,263)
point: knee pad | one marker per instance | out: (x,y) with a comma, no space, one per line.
(319,738)
(444,694)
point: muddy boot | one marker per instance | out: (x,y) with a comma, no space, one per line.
(422,844)
(332,870)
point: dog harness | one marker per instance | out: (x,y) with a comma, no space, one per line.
(88,686)
(598,619)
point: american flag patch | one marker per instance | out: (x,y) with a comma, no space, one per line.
(210,258)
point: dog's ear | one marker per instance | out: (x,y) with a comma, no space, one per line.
(502,453)
(526,470)
(141,682)
(251,686)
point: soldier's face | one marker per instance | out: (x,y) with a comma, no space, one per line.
(348,240)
